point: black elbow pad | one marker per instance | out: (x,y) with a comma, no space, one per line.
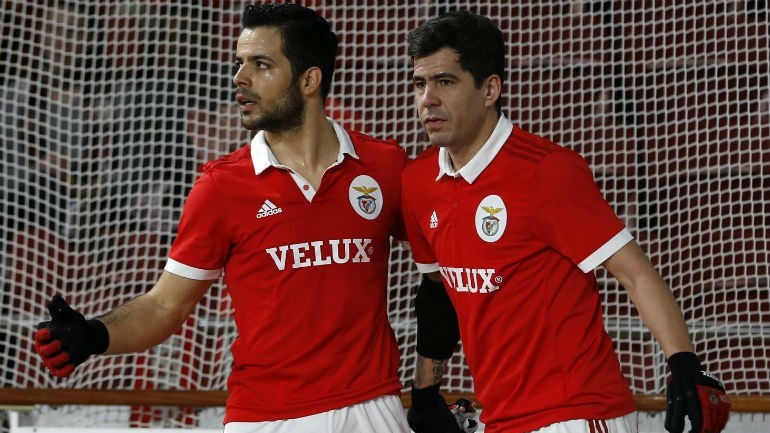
(437,328)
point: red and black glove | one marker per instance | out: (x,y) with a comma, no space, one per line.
(695,393)
(429,413)
(68,339)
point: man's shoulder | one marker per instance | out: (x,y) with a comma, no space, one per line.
(541,157)
(369,143)
(425,162)
(531,147)
(372,150)
(230,162)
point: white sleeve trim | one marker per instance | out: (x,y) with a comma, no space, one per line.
(190,272)
(427,268)
(606,251)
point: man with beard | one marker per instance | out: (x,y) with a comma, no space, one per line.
(300,222)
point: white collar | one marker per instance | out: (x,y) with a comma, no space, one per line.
(481,159)
(262,157)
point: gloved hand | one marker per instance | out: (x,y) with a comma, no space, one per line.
(695,393)
(429,413)
(464,413)
(68,339)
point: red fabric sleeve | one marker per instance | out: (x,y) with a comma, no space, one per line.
(422,253)
(569,212)
(201,240)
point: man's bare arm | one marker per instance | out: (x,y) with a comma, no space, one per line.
(429,371)
(151,318)
(652,297)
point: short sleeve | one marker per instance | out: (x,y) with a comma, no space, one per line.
(201,247)
(399,229)
(571,215)
(422,253)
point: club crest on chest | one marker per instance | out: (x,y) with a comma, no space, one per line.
(365,197)
(491,218)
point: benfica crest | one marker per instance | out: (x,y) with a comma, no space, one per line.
(491,218)
(365,196)
(490,224)
(366,202)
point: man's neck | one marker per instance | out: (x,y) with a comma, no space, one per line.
(308,150)
(460,156)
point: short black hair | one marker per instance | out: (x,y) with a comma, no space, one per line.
(477,41)
(308,39)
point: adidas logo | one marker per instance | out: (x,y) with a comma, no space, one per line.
(267,209)
(433,220)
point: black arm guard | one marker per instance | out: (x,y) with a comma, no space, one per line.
(437,329)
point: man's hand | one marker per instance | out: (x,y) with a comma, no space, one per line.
(429,413)
(464,413)
(695,393)
(68,339)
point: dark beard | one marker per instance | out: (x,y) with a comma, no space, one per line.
(286,114)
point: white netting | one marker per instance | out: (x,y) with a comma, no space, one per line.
(109,107)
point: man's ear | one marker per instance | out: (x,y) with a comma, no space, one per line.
(310,81)
(493,87)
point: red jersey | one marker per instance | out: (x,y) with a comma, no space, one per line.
(307,272)
(515,234)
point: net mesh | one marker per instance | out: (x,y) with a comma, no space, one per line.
(109,107)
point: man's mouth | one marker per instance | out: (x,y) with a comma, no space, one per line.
(245,102)
(432,121)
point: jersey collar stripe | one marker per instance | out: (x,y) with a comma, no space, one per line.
(262,157)
(471,171)
(346,144)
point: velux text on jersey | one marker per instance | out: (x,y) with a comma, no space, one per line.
(471,280)
(321,253)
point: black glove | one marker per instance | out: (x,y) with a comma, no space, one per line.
(429,413)
(68,339)
(696,393)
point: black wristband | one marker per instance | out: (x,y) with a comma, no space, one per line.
(684,363)
(100,335)
(437,329)
(426,398)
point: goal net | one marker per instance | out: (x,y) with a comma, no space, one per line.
(110,107)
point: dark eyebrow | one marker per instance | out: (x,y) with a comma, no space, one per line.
(435,77)
(254,58)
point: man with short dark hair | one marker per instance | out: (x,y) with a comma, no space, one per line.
(300,222)
(515,225)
